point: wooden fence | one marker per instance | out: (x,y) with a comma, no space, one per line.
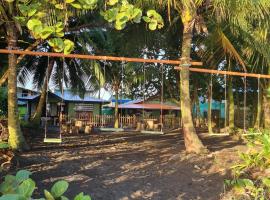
(168,121)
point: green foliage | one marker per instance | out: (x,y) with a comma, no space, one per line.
(4,145)
(123,12)
(251,175)
(21,187)
(154,20)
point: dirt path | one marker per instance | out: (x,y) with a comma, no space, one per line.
(133,166)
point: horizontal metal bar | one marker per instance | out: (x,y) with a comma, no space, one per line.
(94,57)
(231,73)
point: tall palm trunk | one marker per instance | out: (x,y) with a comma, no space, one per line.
(116,115)
(37,115)
(231,104)
(16,139)
(192,141)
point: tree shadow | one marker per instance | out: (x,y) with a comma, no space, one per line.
(128,166)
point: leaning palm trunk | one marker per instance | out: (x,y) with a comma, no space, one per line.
(37,115)
(16,139)
(231,105)
(192,141)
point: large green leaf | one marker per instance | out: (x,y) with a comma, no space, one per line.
(59,188)
(12,197)
(32,23)
(26,188)
(22,175)
(48,195)
(69,46)
(81,196)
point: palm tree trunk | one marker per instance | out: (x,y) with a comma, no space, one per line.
(116,116)
(16,139)
(192,141)
(231,104)
(37,115)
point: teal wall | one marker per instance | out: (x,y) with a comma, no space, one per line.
(216,105)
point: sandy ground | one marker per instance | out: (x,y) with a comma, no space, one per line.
(122,166)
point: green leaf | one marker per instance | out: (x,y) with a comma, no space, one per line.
(46,32)
(153,25)
(81,196)
(10,185)
(26,188)
(266,182)
(57,44)
(48,195)
(12,197)
(64,198)
(59,188)
(22,175)
(76,5)
(112,2)
(32,23)
(69,46)
(69,1)
(4,145)
(59,6)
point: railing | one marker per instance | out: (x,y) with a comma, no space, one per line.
(168,121)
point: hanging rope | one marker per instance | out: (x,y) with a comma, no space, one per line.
(259,99)
(46,100)
(245,102)
(144,90)
(225,103)
(210,97)
(162,97)
(122,86)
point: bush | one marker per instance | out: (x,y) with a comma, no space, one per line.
(21,187)
(252,175)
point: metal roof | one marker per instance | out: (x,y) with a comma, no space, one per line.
(30,97)
(69,96)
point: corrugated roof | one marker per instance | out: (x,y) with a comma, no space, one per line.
(27,98)
(69,96)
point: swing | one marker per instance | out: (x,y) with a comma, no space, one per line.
(161,105)
(106,129)
(225,107)
(246,132)
(51,139)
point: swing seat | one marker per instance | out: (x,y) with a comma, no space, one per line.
(111,129)
(52,140)
(153,132)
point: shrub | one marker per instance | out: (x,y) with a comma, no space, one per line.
(252,175)
(21,187)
